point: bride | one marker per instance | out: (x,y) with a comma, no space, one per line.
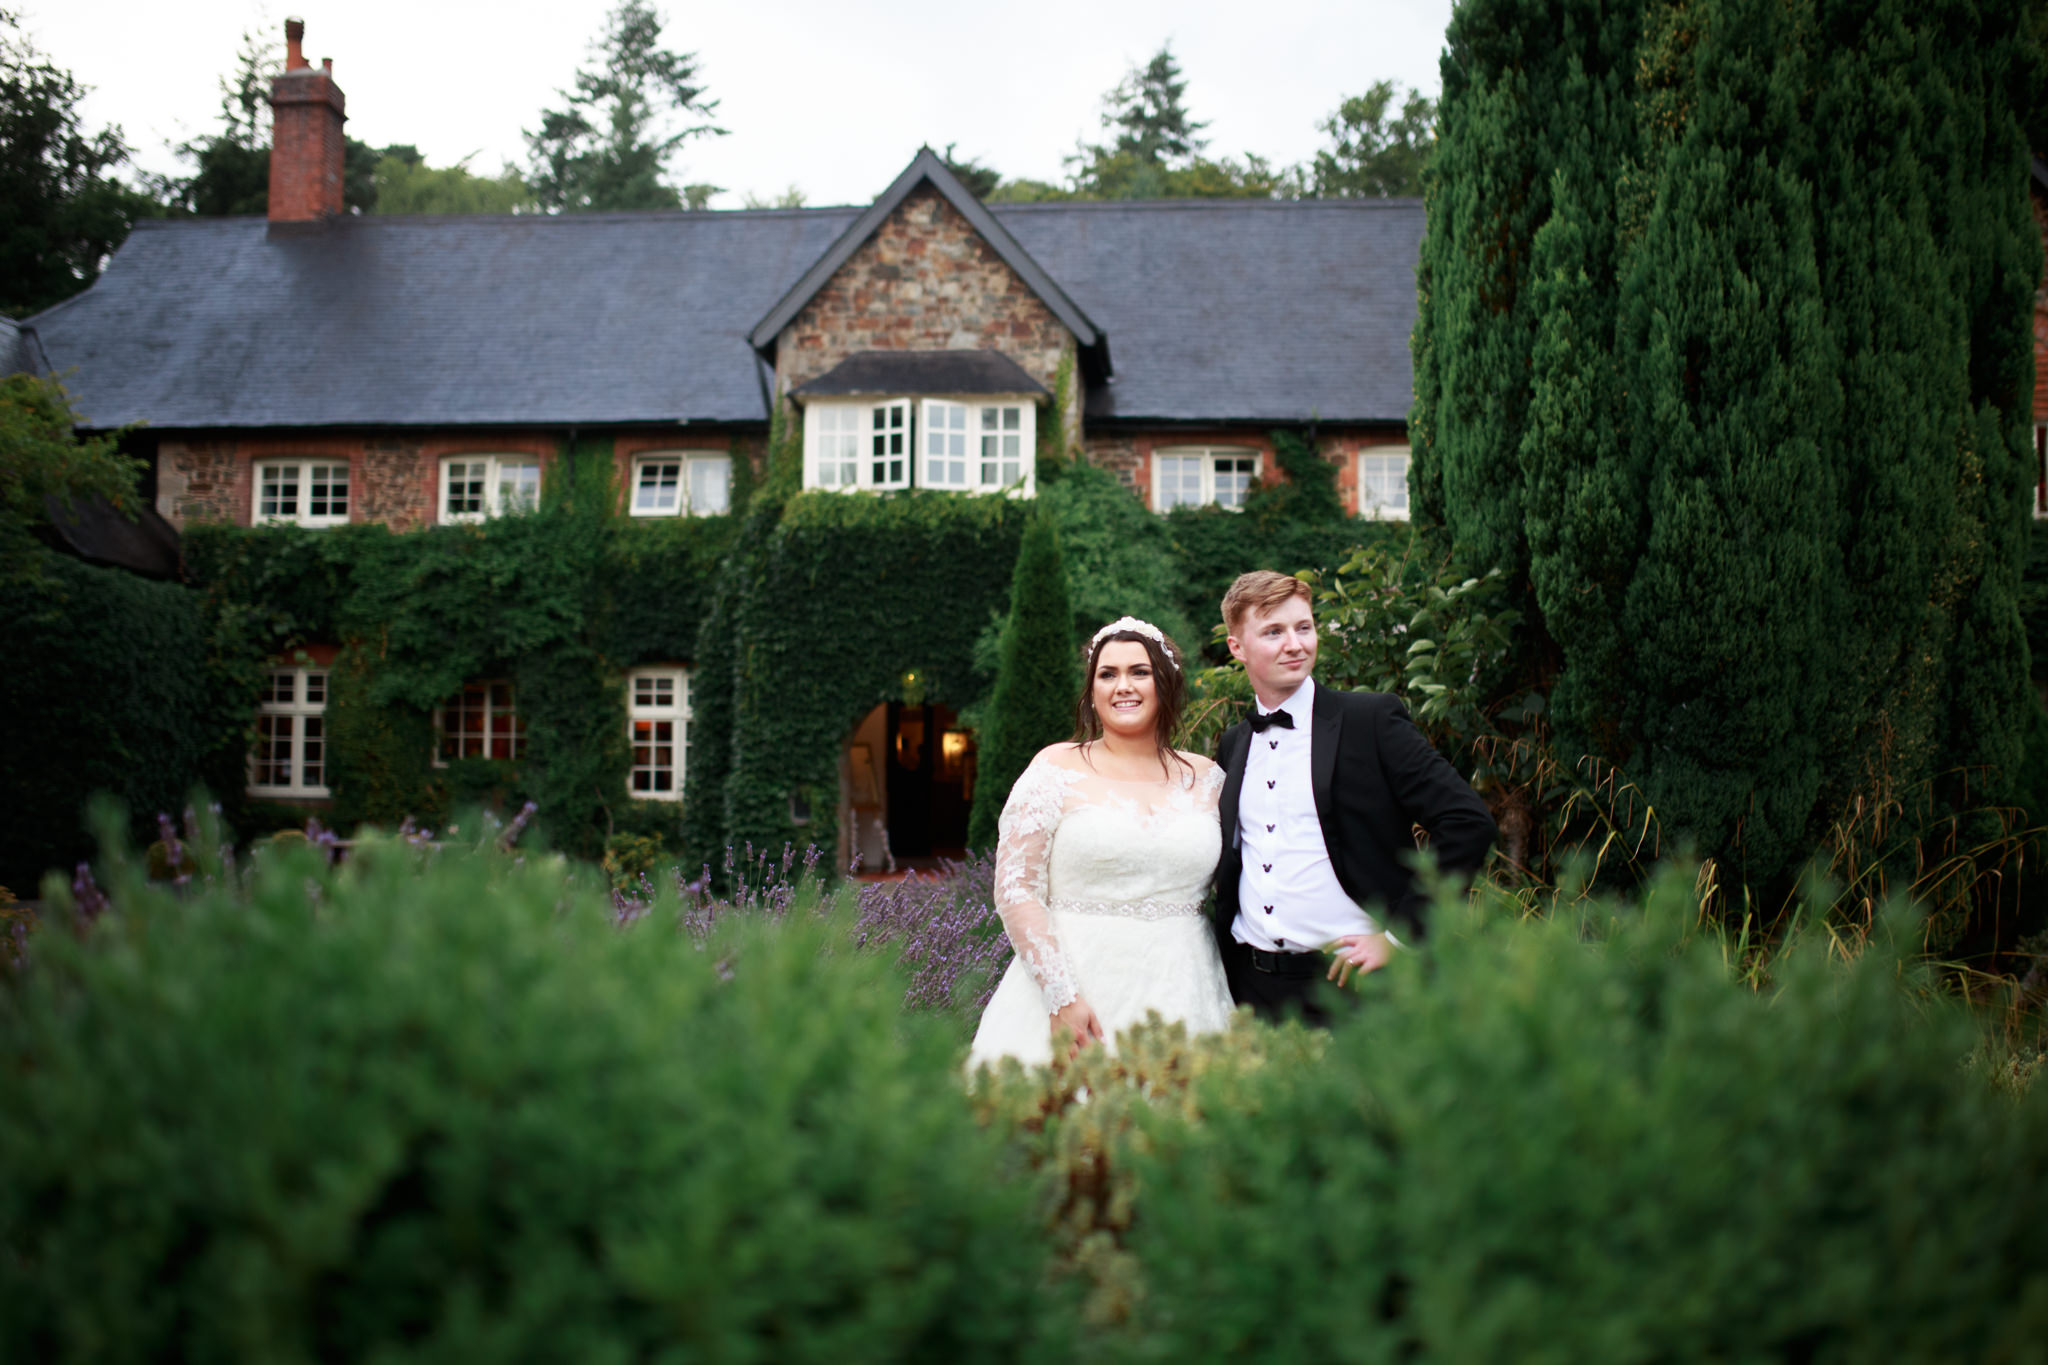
(1105,849)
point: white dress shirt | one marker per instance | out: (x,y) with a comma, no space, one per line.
(1288,897)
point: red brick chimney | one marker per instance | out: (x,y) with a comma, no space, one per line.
(306,143)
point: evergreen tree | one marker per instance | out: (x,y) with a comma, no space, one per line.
(1727,364)
(1156,152)
(1746,289)
(611,145)
(1033,705)
(62,212)
(231,176)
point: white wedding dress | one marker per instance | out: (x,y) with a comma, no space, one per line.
(1100,883)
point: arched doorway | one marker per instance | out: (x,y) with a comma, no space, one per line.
(908,785)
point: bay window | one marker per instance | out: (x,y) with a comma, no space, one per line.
(967,444)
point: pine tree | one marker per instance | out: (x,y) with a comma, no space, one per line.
(610,146)
(1036,677)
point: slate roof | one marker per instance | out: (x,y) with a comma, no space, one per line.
(908,372)
(1218,311)
(19,352)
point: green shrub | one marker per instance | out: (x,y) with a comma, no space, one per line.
(1580,1139)
(453,1113)
(109,686)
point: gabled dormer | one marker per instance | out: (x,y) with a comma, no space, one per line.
(925,347)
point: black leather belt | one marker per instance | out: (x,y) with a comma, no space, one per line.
(1285,964)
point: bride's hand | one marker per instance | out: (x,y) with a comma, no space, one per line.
(1077,1025)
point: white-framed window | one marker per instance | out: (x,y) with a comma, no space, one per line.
(302,492)
(963,443)
(1383,483)
(477,486)
(945,443)
(835,433)
(678,483)
(2041,469)
(480,721)
(290,757)
(658,726)
(889,444)
(1195,476)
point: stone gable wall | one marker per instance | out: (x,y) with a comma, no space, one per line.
(926,281)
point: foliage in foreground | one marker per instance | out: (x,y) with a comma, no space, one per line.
(456,1113)
(451,1105)
(1585,1138)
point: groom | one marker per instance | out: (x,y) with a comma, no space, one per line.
(1321,795)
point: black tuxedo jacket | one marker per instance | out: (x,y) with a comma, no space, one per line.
(1375,779)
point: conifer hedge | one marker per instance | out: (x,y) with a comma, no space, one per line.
(1723,341)
(111,684)
(1036,678)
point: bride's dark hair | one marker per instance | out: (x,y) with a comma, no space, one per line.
(1169,686)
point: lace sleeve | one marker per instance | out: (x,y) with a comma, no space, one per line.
(1023,842)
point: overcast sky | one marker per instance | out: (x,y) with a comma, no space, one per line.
(832,97)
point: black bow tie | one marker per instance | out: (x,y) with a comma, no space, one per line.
(1260,722)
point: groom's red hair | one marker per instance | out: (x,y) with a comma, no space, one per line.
(1259,590)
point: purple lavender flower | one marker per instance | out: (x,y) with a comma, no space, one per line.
(86,896)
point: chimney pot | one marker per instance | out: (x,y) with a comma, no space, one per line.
(307,149)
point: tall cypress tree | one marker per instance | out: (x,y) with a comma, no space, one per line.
(1726,361)
(1773,440)
(1513,110)
(1584,512)
(1036,675)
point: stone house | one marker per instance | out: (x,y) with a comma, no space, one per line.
(318,368)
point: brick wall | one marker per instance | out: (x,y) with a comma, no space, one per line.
(395,480)
(926,281)
(1128,455)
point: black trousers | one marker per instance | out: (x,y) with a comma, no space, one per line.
(1274,996)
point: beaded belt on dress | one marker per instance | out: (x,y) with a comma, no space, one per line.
(1149,908)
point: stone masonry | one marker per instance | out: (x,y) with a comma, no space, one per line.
(926,281)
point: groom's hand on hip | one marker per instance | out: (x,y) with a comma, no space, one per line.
(1361,953)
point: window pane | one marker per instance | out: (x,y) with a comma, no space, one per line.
(1233,478)
(466,487)
(327,491)
(710,485)
(1383,485)
(316,689)
(518,486)
(279,495)
(1180,481)
(658,487)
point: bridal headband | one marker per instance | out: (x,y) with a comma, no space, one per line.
(1137,627)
